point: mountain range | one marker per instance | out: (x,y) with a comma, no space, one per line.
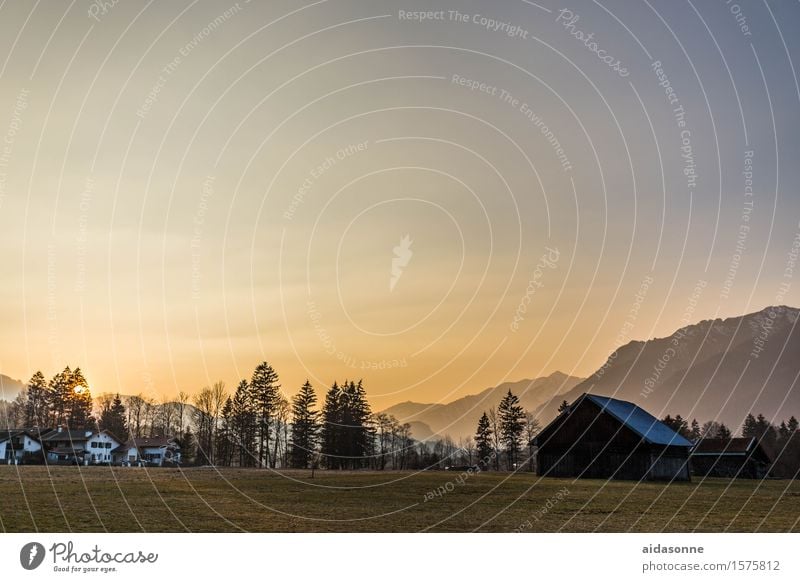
(718,369)
(459,418)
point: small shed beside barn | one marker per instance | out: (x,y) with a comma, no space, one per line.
(598,437)
(736,457)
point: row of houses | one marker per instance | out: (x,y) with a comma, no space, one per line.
(84,447)
(598,437)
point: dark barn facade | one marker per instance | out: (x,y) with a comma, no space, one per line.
(740,457)
(604,438)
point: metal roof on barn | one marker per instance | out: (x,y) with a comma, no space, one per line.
(734,446)
(639,421)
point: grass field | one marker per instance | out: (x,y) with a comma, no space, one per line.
(96,499)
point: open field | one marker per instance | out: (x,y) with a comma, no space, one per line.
(95,499)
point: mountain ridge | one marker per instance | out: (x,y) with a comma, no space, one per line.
(9,388)
(459,417)
(717,369)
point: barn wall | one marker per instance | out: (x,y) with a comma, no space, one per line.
(670,467)
(729,466)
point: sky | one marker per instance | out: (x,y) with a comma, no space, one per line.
(435,202)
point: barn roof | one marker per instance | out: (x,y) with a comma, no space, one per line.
(735,446)
(639,421)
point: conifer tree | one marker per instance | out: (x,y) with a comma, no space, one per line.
(305,426)
(695,433)
(750,426)
(112,419)
(36,404)
(331,428)
(243,425)
(483,442)
(511,425)
(264,390)
(60,389)
(355,425)
(79,401)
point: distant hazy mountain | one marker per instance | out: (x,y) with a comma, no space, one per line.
(460,417)
(718,369)
(9,388)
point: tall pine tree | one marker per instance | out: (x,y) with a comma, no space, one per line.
(80,401)
(511,425)
(243,421)
(36,405)
(112,419)
(264,390)
(332,427)
(483,442)
(305,427)
(357,437)
(60,390)
(750,427)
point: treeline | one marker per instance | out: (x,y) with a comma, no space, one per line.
(257,426)
(781,442)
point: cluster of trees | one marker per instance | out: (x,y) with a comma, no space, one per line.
(65,400)
(258,426)
(694,431)
(506,432)
(753,426)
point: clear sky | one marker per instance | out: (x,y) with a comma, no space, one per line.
(344,189)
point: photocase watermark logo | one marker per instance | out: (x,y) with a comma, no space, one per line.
(402,256)
(31,555)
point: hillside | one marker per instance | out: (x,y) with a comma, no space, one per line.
(719,369)
(9,388)
(459,418)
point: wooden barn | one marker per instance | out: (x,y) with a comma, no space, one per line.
(739,457)
(604,438)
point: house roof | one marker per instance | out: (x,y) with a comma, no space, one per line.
(639,421)
(66,435)
(13,432)
(737,446)
(150,442)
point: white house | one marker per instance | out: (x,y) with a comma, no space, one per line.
(151,451)
(100,447)
(15,444)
